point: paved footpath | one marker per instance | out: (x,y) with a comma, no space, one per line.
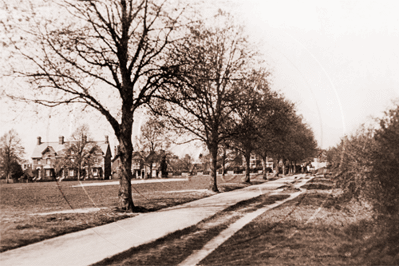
(95,244)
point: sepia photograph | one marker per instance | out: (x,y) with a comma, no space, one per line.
(199,132)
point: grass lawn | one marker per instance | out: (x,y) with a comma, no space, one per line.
(31,212)
(312,229)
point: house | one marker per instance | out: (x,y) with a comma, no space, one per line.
(143,166)
(154,163)
(255,162)
(137,165)
(46,159)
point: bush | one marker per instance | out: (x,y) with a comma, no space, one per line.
(369,164)
(385,164)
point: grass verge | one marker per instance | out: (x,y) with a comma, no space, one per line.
(315,228)
(175,247)
(23,206)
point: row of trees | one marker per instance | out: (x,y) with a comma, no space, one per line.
(368,163)
(202,75)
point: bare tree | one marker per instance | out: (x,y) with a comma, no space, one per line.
(107,55)
(11,153)
(206,65)
(154,137)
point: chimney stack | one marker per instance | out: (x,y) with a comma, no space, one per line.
(116,150)
(61,140)
(39,140)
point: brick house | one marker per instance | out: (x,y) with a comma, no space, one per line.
(46,156)
(137,165)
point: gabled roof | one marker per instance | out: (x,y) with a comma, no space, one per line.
(58,148)
(103,145)
(39,149)
(136,156)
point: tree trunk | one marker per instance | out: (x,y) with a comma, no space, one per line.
(247,177)
(264,166)
(283,167)
(125,201)
(224,162)
(277,166)
(214,153)
(150,175)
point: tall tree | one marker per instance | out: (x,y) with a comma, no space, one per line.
(11,153)
(154,138)
(301,143)
(250,115)
(107,55)
(206,65)
(274,127)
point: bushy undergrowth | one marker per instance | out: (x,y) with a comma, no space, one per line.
(367,164)
(367,170)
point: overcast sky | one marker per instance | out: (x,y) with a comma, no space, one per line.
(337,60)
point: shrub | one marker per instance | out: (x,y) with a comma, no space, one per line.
(368,163)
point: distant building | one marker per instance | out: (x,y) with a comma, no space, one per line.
(46,156)
(142,166)
(255,161)
(320,160)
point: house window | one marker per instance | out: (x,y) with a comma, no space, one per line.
(95,171)
(48,161)
(71,172)
(48,173)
